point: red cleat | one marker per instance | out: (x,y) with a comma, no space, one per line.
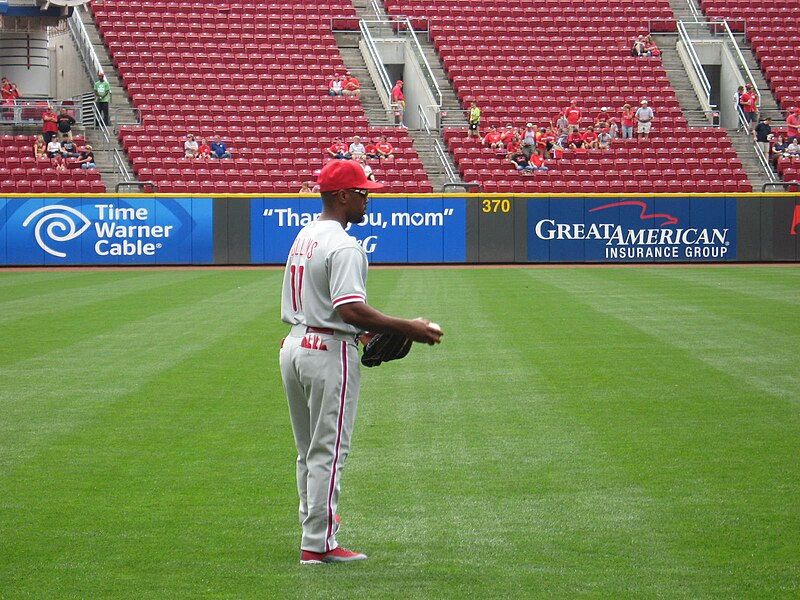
(338,555)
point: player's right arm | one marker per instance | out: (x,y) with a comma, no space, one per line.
(367,318)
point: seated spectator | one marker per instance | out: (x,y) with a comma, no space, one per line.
(59,162)
(778,148)
(219,149)
(604,139)
(203,150)
(513,146)
(64,122)
(357,149)
(384,148)
(508,134)
(638,47)
(68,148)
(53,147)
(650,48)
(537,163)
(86,160)
(792,149)
(351,87)
(521,163)
(602,117)
(371,149)
(336,86)
(338,149)
(190,147)
(590,139)
(39,148)
(305,188)
(574,141)
(367,168)
(493,139)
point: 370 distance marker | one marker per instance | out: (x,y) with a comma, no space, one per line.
(496,205)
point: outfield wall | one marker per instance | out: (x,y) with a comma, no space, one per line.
(432,228)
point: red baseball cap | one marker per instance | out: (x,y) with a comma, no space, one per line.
(344,175)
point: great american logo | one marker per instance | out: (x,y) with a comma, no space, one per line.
(121,231)
(660,236)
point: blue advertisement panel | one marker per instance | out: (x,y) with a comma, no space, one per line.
(114,230)
(657,229)
(394,230)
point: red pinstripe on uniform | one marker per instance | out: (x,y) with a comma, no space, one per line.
(345,299)
(339,424)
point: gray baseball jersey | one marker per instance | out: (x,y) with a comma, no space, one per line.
(319,363)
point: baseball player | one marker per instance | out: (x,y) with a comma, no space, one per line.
(324,299)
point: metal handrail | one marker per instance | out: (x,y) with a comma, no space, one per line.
(428,71)
(437,146)
(697,15)
(385,91)
(697,66)
(91,61)
(784,184)
(465,186)
(742,61)
(764,161)
(139,184)
(376,8)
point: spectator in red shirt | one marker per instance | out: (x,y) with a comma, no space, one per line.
(513,146)
(590,139)
(602,117)
(339,149)
(351,87)
(537,162)
(793,124)
(574,141)
(399,101)
(493,139)
(371,149)
(384,148)
(650,48)
(49,124)
(573,114)
(749,102)
(204,150)
(628,121)
(508,134)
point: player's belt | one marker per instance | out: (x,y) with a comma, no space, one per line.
(322,330)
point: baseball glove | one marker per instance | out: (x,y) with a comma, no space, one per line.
(384,347)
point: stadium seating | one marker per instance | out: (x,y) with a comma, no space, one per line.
(21,173)
(520,69)
(260,81)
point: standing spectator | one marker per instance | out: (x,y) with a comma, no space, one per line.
(190,147)
(64,123)
(102,98)
(219,149)
(9,93)
(384,148)
(749,103)
(39,148)
(562,125)
(86,160)
(508,134)
(737,103)
(573,114)
(645,116)
(5,89)
(793,124)
(356,148)
(763,134)
(628,119)
(338,149)
(399,101)
(49,124)
(335,88)
(529,140)
(203,150)
(613,128)
(474,120)
(351,86)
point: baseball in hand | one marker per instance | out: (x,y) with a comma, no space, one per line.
(434,326)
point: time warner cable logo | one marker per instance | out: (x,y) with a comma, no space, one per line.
(121,231)
(62,224)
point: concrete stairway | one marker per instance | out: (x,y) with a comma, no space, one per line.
(121,110)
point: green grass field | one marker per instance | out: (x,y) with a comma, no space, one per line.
(580,433)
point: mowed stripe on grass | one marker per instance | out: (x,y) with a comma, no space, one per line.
(608,433)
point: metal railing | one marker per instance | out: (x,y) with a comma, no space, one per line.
(376,7)
(694,68)
(437,146)
(89,57)
(763,160)
(422,60)
(109,145)
(375,65)
(695,11)
(28,111)
(746,73)
(783,184)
